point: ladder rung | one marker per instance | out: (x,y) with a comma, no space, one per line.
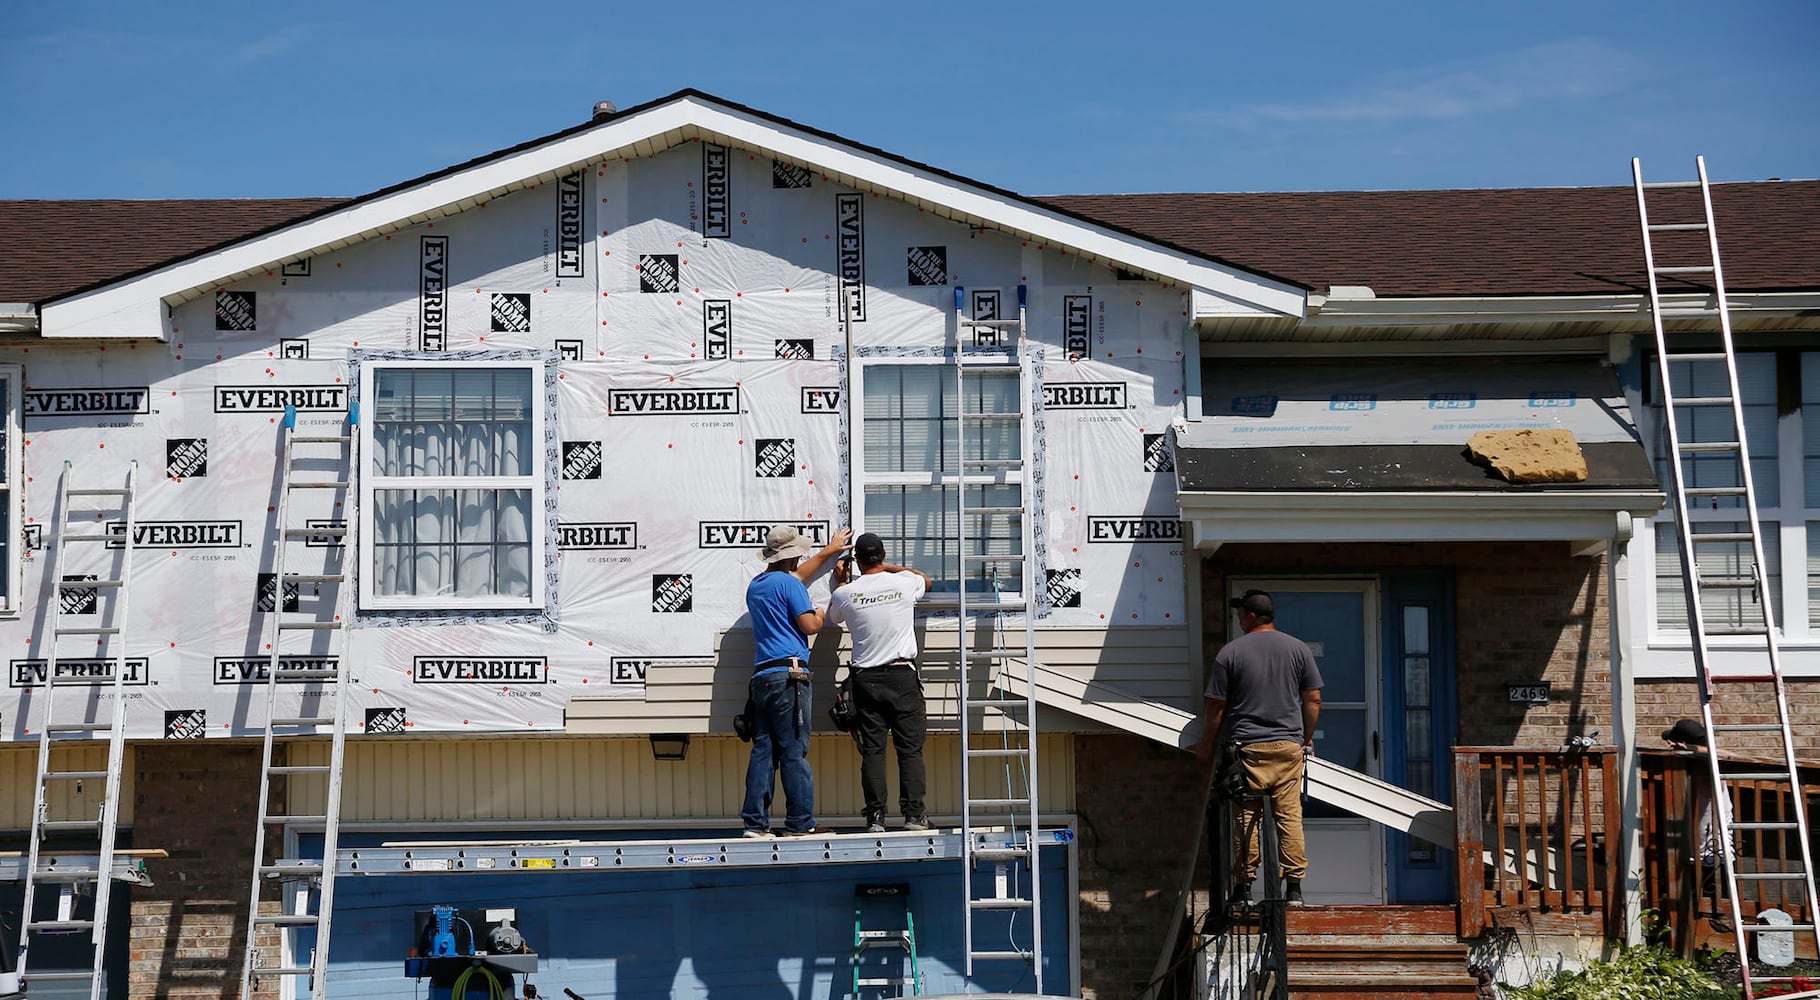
(1697,356)
(61,925)
(987,418)
(66,875)
(884,935)
(999,956)
(1726,536)
(1686,269)
(58,977)
(1756,678)
(281,721)
(74,775)
(864,983)
(318,439)
(1770,876)
(288,919)
(1655,185)
(1013,511)
(999,752)
(314,578)
(331,484)
(1766,826)
(993,463)
(1735,630)
(87,584)
(998,703)
(1000,853)
(315,532)
(1012,558)
(90,630)
(86,537)
(1747,727)
(324,673)
(106,492)
(70,824)
(1754,776)
(994,324)
(1000,903)
(299,818)
(291,869)
(307,627)
(298,769)
(997,653)
(286,970)
(78,727)
(1703,401)
(1677,227)
(998,803)
(1728,582)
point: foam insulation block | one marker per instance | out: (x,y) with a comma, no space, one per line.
(1530,456)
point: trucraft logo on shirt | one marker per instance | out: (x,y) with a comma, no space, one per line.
(850,260)
(104,402)
(717,329)
(658,272)
(186,458)
(776,458)
(716,192)
(569,259)
(185,724)
(1084,396)
(1140,528)
(179,534)
(1064,587)
(699,402)
(581,459)
(92,670)
(1157,455)
(795,348)
(928,265)
(386,721)
(511,312)
(433,293)
(821,399)
(79,600)
(751,534)
(232,670)
(480,670)
(594,535)
(236,311)
(267,593)
(1077,325)
(789,175)
(672,593)
(273,399)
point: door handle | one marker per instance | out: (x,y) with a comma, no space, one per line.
(1375,743)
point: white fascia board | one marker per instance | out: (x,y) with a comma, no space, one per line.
(1582,519)
(109,312)
(18,317)
(1343,312)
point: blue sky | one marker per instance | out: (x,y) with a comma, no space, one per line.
(112,99)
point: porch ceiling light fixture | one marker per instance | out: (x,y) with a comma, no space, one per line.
(669,746)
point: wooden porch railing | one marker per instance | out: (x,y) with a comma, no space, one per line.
(1533,830)
(1684,892)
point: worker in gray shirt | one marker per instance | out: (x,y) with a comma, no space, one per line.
(1265,690)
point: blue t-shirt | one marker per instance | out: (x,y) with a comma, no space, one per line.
(774,599)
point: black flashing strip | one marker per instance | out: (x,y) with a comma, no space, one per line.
(1441,468)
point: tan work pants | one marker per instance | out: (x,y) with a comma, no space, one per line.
(1274,770)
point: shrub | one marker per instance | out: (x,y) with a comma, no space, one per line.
(1650,971)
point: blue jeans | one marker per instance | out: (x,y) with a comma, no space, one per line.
(780,741)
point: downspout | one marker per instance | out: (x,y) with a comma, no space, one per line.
(1629,846)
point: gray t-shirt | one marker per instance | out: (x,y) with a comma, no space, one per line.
(1261,676)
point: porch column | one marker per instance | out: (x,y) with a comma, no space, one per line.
(1627,852)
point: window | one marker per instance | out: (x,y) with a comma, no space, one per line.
(452,490)
(910,440)
(10,399)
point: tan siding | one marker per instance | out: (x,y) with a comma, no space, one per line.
(19,771)
(1155,664)
(569,778)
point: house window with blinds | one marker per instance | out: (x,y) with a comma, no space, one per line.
(912,449)
(452,485)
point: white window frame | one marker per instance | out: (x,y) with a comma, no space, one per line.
(11,493)
(863,478)
(370,483)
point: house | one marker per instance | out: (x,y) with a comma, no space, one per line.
(589,370)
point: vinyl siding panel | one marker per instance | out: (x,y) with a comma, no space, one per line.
(19,771)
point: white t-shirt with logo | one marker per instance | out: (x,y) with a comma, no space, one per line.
(879,611)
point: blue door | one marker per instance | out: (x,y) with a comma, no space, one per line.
(1419,724)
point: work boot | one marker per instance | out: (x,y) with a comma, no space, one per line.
(1295,892)
(1241,894)
(875,823)
(916,823)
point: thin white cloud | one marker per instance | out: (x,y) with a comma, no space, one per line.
(1576,69)
(274,44)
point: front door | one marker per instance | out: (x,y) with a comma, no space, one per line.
(1338,619)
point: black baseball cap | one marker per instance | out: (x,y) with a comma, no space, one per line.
(1686,731)
(1257,602)
(868,548)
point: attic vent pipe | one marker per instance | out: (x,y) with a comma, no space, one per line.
(604,108)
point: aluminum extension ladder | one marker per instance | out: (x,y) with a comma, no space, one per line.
(1674,359)
(316,619)
(867,900)
(998,731)
(90,649)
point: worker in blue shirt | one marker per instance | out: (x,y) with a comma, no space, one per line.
(783,618)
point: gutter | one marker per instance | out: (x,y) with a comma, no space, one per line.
(18,317)
(1359,306)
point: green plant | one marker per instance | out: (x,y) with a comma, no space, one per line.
(1651,971)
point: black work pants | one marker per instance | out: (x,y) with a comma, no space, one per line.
(889,700)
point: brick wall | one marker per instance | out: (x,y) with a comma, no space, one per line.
(195,800)
(1660,703)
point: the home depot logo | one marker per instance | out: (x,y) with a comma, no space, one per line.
(480,670)
(1084,396)
(672,593)
(511,312)
(569,262)
(1064,588)
(821,399)
(581,459)
(789,175)
(230,670)
(185,724)
(433,293)
(700,402)
(716,192)
(850,229)
(1142,528)
(794,348)
(1157,455)
(267,593)
(180,534)
(717,328)
(751,534)
(776,458)
(106,402)
(577,535)
(928,265)
(79,600)
(186,458)
(1077,325)
(658,272)
(273,399)
(633,671)
(235,310)
(93,670)
(386,721)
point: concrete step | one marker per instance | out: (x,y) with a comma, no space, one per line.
(1325,986)
(1361,957)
